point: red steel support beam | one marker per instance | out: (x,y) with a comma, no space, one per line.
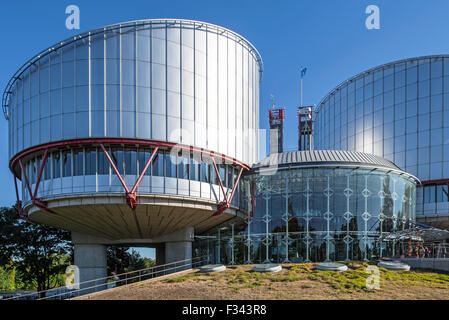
(131,196)
(144,170)
(219,178)
(36,201)
(26,178)
(43,206)
(222,206)
(19,203)
(115,168)
(235,185)
(44,159)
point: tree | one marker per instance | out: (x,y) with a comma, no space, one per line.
(7,219)
(117,259)
(7,279)
(120,262)
(136,261)
(149,262)
(39,253)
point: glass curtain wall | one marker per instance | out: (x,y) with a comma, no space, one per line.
(93,171)
(159,80)
(315,215)
(399,111)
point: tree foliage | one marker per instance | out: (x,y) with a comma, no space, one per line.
(117,259)
(136,261)
(120,260)
(39,253)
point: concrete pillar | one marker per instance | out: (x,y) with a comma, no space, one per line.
(160,254)
(175,246)
(90,258)
(177,251)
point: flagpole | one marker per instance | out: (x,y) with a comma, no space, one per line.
(300,97)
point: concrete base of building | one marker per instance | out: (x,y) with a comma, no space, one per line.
(170,252)
(90,255)
(104,215)
(178,251)
(90,258)
(427,263)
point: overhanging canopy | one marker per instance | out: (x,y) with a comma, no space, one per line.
(419,232)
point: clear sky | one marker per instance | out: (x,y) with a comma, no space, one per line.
(329,37)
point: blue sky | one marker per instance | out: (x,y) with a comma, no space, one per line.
(327,36)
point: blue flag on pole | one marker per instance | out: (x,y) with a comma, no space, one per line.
(303,72)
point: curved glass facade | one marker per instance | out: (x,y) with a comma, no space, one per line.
(316,214)
(399,111)
(81,170)
(167,80)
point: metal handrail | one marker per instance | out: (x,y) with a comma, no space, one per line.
(141,273)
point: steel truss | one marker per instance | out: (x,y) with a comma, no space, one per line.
(131,195)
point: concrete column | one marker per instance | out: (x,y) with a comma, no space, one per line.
(175,246)
(160,254)
(177,251)
(90,258)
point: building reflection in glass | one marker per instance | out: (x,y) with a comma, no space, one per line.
(321,212)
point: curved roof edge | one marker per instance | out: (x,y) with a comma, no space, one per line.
(135,23)
(317,109)
(328,158)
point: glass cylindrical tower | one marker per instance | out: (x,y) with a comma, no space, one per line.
(158,115)
(399,111)
(317,206)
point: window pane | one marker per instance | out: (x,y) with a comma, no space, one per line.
(213,174)
(66,163)
(56,165)
(439,193)
(204,172)
(432,193)
(103,163)
(183,167)
(131,162)
(445,190)
(158,165)
(78,162)
(194,167)
(142,157)
(148,153)
(33,171)
(170,165)
(222,171)
(230,176)
(91,159)
(117,158)
(47,168)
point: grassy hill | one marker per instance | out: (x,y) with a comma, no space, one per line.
(295,281)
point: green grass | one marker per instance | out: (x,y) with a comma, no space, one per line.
(350,281)
(417,277)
